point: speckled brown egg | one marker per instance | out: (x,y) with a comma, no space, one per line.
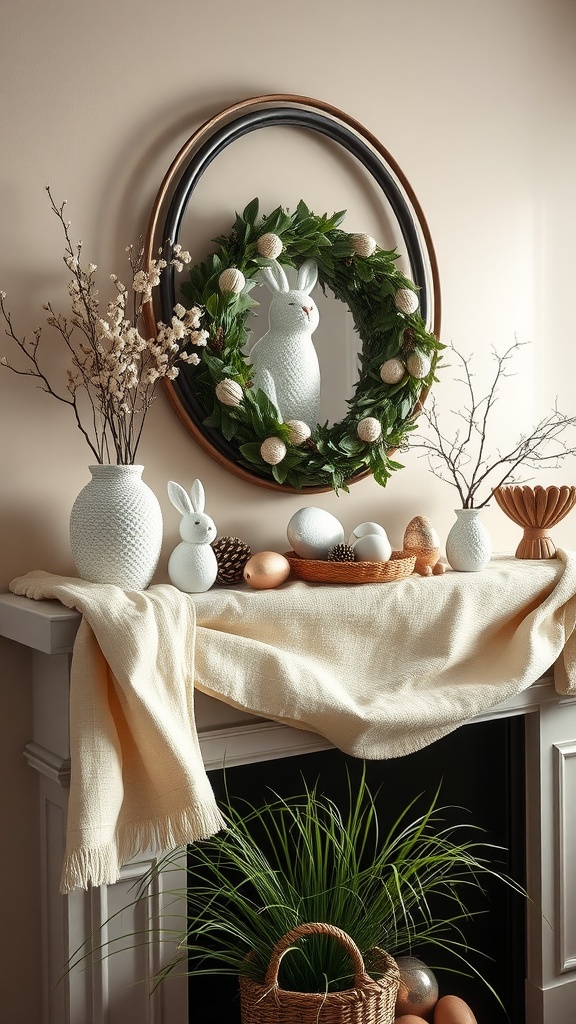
(422,540)
(409,1018)
(420,534)
(453,1010)
(266,570)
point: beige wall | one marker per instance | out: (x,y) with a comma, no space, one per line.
(476,103)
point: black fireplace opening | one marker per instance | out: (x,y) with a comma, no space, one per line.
(479,770)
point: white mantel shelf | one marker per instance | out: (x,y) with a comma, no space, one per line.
(111,990)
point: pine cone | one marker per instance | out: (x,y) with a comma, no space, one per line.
(341,553)
(408,343)
(231,556)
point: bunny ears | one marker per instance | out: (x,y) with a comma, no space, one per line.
(182,502)
(275,278)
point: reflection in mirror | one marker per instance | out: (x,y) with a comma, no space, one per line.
(336,342)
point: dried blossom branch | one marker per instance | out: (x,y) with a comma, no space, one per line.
(114,370)
(461,459)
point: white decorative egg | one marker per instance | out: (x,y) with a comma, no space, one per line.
(372,547)
(313,531)
(269,245)
(229,392)
(392,371)
(369,429)
(406,300)
(418,365)
(273,450)
(231,281)
(363,528)
(298,431)
(362,244)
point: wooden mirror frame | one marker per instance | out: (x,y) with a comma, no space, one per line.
(194,158)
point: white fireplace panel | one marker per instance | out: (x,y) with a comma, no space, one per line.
(565,777)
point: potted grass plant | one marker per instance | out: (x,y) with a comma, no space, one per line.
(288,862)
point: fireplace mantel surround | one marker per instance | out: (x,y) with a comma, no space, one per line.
(111,990)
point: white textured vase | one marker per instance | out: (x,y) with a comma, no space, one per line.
(116,528)
(468,545)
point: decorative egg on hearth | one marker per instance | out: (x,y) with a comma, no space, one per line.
(422,540)
(266,570)
(312,532)
(453,1010)
(418,990)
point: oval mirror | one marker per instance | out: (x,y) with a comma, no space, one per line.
(376,347)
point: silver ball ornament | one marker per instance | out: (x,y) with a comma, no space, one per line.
(418,991)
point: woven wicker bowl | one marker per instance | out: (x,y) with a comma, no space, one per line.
(371,1001)
(536,509)
(314,571)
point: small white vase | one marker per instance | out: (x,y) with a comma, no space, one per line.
(468,545)
(116,528)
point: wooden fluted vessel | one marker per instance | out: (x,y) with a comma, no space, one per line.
(536,509)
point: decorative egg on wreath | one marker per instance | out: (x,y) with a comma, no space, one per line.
(385,307)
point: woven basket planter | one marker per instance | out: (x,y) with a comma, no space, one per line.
(371,1001)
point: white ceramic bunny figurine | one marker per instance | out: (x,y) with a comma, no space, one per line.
(192,566)
(284,361)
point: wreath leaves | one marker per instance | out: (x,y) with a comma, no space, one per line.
(368,286)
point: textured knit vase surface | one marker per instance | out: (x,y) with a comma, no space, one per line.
(116,528)
(468,545)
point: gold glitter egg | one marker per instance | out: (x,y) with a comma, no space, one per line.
(266,570)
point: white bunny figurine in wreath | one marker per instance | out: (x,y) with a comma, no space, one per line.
(192,566)
(284,360)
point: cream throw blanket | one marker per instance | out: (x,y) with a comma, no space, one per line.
(137,777)
(380,670)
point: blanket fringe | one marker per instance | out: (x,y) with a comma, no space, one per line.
(101,865)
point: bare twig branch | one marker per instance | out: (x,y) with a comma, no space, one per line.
(461,460)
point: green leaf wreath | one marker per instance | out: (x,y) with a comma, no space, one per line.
(397,361)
